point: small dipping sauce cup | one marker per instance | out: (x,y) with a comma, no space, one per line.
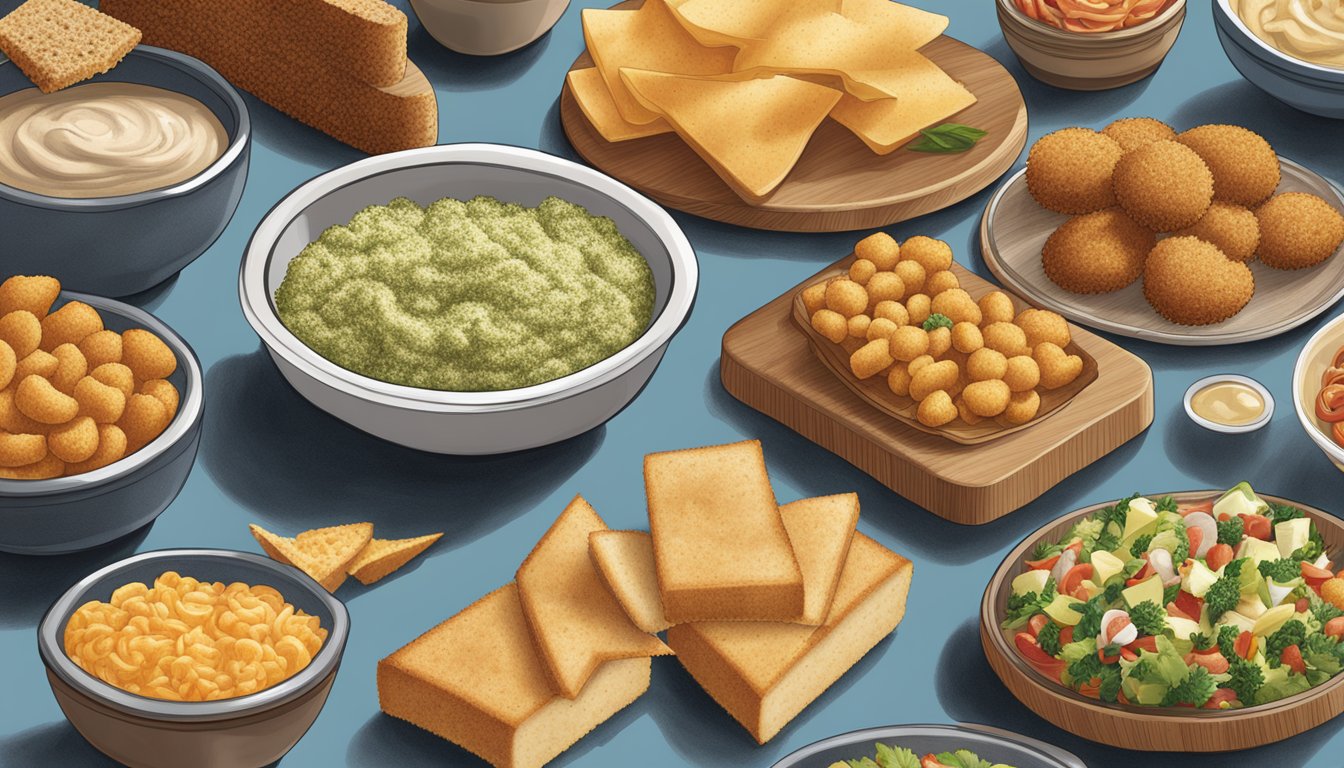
(1229,403)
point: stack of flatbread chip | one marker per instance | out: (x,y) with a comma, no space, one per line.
(330,554)
(745,83)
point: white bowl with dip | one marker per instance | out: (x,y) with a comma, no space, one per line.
(1307,73)
(467,423)
(1229,403)
(488,27)
(1318,355)
(115,212)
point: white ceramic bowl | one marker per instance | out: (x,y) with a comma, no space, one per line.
(467,423)
(488,27)
(1229,429)
(1315,357)
(1301,84)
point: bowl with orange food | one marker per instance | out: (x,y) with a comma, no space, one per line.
(1090,45)
(263,643)
(1318,390)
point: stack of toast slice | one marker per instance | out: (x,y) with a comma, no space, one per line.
(766,607)
(339,66)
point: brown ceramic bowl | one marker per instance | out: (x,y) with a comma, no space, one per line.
(1150,728)
(244,732)
(1093,61)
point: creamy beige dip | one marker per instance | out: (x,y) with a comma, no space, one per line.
(1310,30)
(105,139)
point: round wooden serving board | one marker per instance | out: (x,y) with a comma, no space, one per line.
(1014,229)
(838,184)
(1150,729)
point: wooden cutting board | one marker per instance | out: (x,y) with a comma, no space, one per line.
(768,364)
(838,184)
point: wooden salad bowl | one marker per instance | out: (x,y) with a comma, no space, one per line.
(1150,729)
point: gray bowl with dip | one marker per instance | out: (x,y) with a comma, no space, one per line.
(1289,74)
(151,224)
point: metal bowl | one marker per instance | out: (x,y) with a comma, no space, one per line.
(116,246)
(488,27)
(992,744)
(66,514)
(244,732)
(467,423)
(1309,87)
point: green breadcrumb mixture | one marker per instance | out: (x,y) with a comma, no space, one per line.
(468,296)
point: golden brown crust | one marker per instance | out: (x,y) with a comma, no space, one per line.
(1097,252)
(1069,171)
(1164,186)
(1298,230)
(1190,282)
(1245,167)
(58,43)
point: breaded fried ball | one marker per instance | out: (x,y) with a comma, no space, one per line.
(861,270)
(846,297)
(879,248)
(912,273)
(1245,167)
(893,311)
(1191,282)
(936,410)
(1164,186)
(1069,171)
(1229,226)
(957,305)
(1298,230)
(933,255)
(1022,407)
(1133,132)
(1097,252)
(985,364)
(1044,325)
(943,280)
(996,307)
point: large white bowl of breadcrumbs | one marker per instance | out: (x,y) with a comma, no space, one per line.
(468,298)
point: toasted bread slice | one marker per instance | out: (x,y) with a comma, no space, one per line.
(477,681)
(58,43)
(381,557)
(764,674)
(718,540)
(366,38)
(820,530)
(576,623)
(322,553)
(292,73)
(624,559)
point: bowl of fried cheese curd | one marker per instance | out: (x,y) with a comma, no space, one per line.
(100,417)
(201,657)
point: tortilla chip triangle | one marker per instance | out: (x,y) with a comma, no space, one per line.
(322,553)
(751,131)
(381,557)
(595,101)
(649,38)
(820,530)
(732,22)
(576,624)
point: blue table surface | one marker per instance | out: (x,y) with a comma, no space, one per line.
(269,457)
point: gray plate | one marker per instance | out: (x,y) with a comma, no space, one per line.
(992,744)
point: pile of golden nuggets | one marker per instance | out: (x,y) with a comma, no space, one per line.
(745,83)
(955,356)
(74,396)
(1212,188)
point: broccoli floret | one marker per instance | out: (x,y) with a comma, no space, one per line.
(1111,679)
(1293,632)
(1084,669)
(1048,638)
(1231,531)
(1224,595)
(1045,550)
(1094,609)
(1281,512)
(1195,689)
(1140,545)
(1167,504)
(1247,677)
(1022,607)
(1281,571)
(1148,617)
(1227,640)
(1117,512)
(1314,548)
(1324,611)
(937,321)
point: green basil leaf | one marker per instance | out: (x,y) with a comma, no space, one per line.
(947,138)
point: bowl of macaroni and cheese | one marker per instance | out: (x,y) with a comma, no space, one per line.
(116,184)
(1293,51)
(202,657)
(468,298)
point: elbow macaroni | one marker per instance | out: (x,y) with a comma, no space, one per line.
(187,640)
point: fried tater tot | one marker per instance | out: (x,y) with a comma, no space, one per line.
(944,280)
(908,342)
(111,448)
(881,328)
(987,398)
(22,331)
(105,346)
(933,255)
(70,368)
(30,293)
(885,286)
(996,307)
(858,326)
(831,325)
(1058,368)
(920,306)
(37,399)
(97,400)
(936,410)
(861,271)
(1043,325)
(958,306)
(70,325)
(879,248)
(165,392)
(21,450)
(940,341)
(144,419)
(866,362)
(912,274)
(965,413)
(45,469)
(843,295)
(966,337)
(1022,407)
(74,442)
(985,364)
(893,311)
(9,363)
(1006,338)
(38,363)
(12,419)
(1023,373)
(940,376)
(898,381)
(919,362)
(147,355)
